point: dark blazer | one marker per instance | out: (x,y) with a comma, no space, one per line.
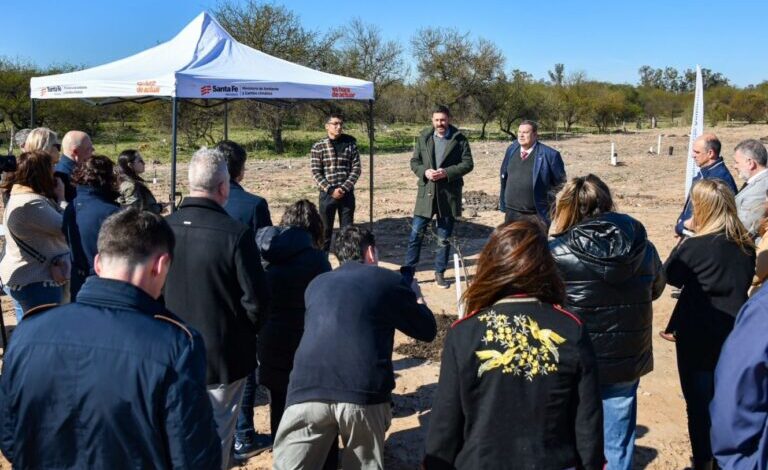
(291,263)
(83,218)
(518,389)
(248,208)
(715,275)
(717,170)
(458,162)
(111,381)
(63,170)
(739,416)
(217,285)
(612,275)
(345,354)
(548,177)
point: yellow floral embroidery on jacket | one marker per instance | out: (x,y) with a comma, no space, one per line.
(527,349)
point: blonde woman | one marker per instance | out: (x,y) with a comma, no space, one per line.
(612,274)
(43,139)
(714,268)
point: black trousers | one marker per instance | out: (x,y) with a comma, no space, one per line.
(698,388)
(329,206)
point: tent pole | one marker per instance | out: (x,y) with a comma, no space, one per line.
(174,119)
(226,120)
(32,113)
(370,159)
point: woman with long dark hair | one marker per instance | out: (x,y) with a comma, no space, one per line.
(518,381)
(293,257)
(714,268)
(95,201)
(133,189)
(612,274)
(35,262)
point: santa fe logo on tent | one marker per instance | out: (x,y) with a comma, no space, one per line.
(205,89)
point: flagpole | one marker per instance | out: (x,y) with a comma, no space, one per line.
(697,129)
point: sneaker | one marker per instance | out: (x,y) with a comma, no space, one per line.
(251,447)
(441,282)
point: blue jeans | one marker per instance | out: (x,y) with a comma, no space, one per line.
(33,295)
(244,431)
(619,421)
(16,305)
(444,231)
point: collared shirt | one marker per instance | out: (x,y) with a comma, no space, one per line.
(331,169)
(528,152)
(753,177)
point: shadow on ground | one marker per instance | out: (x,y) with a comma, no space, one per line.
(392,240)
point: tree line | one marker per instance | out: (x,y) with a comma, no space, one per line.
(448,67)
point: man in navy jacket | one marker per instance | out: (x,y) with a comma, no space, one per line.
(113,380)
(739,410)
(248,208)
(531,174)
(706,153)
(342,376)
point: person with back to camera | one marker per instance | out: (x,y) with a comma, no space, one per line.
(714,268)
(36,258)
(114,380)
(612,275)
(518,383)
(342,378)
(96,200)
(293,256)
(133,189)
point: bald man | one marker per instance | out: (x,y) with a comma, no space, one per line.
(706,154)
(76,147)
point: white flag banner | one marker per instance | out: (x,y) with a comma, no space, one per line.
(697,128)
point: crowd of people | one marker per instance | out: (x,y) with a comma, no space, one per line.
(142,339)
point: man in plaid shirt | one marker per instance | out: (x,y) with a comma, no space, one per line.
(335,164)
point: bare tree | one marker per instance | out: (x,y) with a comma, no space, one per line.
(277,31)
(365,54)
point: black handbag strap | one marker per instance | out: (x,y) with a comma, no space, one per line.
(27,248)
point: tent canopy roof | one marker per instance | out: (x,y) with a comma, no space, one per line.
(202,61)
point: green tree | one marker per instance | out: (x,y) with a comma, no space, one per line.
(452,68)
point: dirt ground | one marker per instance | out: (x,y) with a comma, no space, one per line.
(646,186)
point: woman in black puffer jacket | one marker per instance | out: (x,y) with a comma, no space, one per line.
(612,274)
(293,258)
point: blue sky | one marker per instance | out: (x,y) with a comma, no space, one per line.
(607,40)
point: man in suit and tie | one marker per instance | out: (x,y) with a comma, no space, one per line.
(750,161)
(531,174)
(440,160)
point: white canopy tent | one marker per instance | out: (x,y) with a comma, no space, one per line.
(202,62)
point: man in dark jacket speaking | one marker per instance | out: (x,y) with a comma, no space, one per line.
(113,380)
(217,285)
(440,160)
(342,376)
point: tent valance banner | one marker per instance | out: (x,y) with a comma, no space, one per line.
(202,61)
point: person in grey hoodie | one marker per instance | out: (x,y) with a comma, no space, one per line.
(612,274)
